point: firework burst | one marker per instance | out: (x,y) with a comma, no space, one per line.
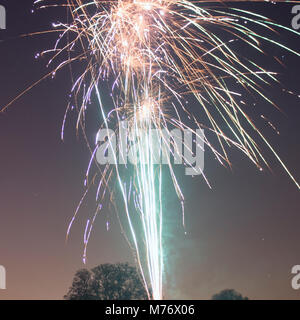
(155,55)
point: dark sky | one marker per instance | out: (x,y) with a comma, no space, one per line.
(242,234)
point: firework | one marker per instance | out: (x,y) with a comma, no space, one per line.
(155,55)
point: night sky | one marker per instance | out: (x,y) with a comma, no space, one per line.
(243,234)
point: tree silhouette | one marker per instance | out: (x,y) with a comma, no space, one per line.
(228,294)
(107,282)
